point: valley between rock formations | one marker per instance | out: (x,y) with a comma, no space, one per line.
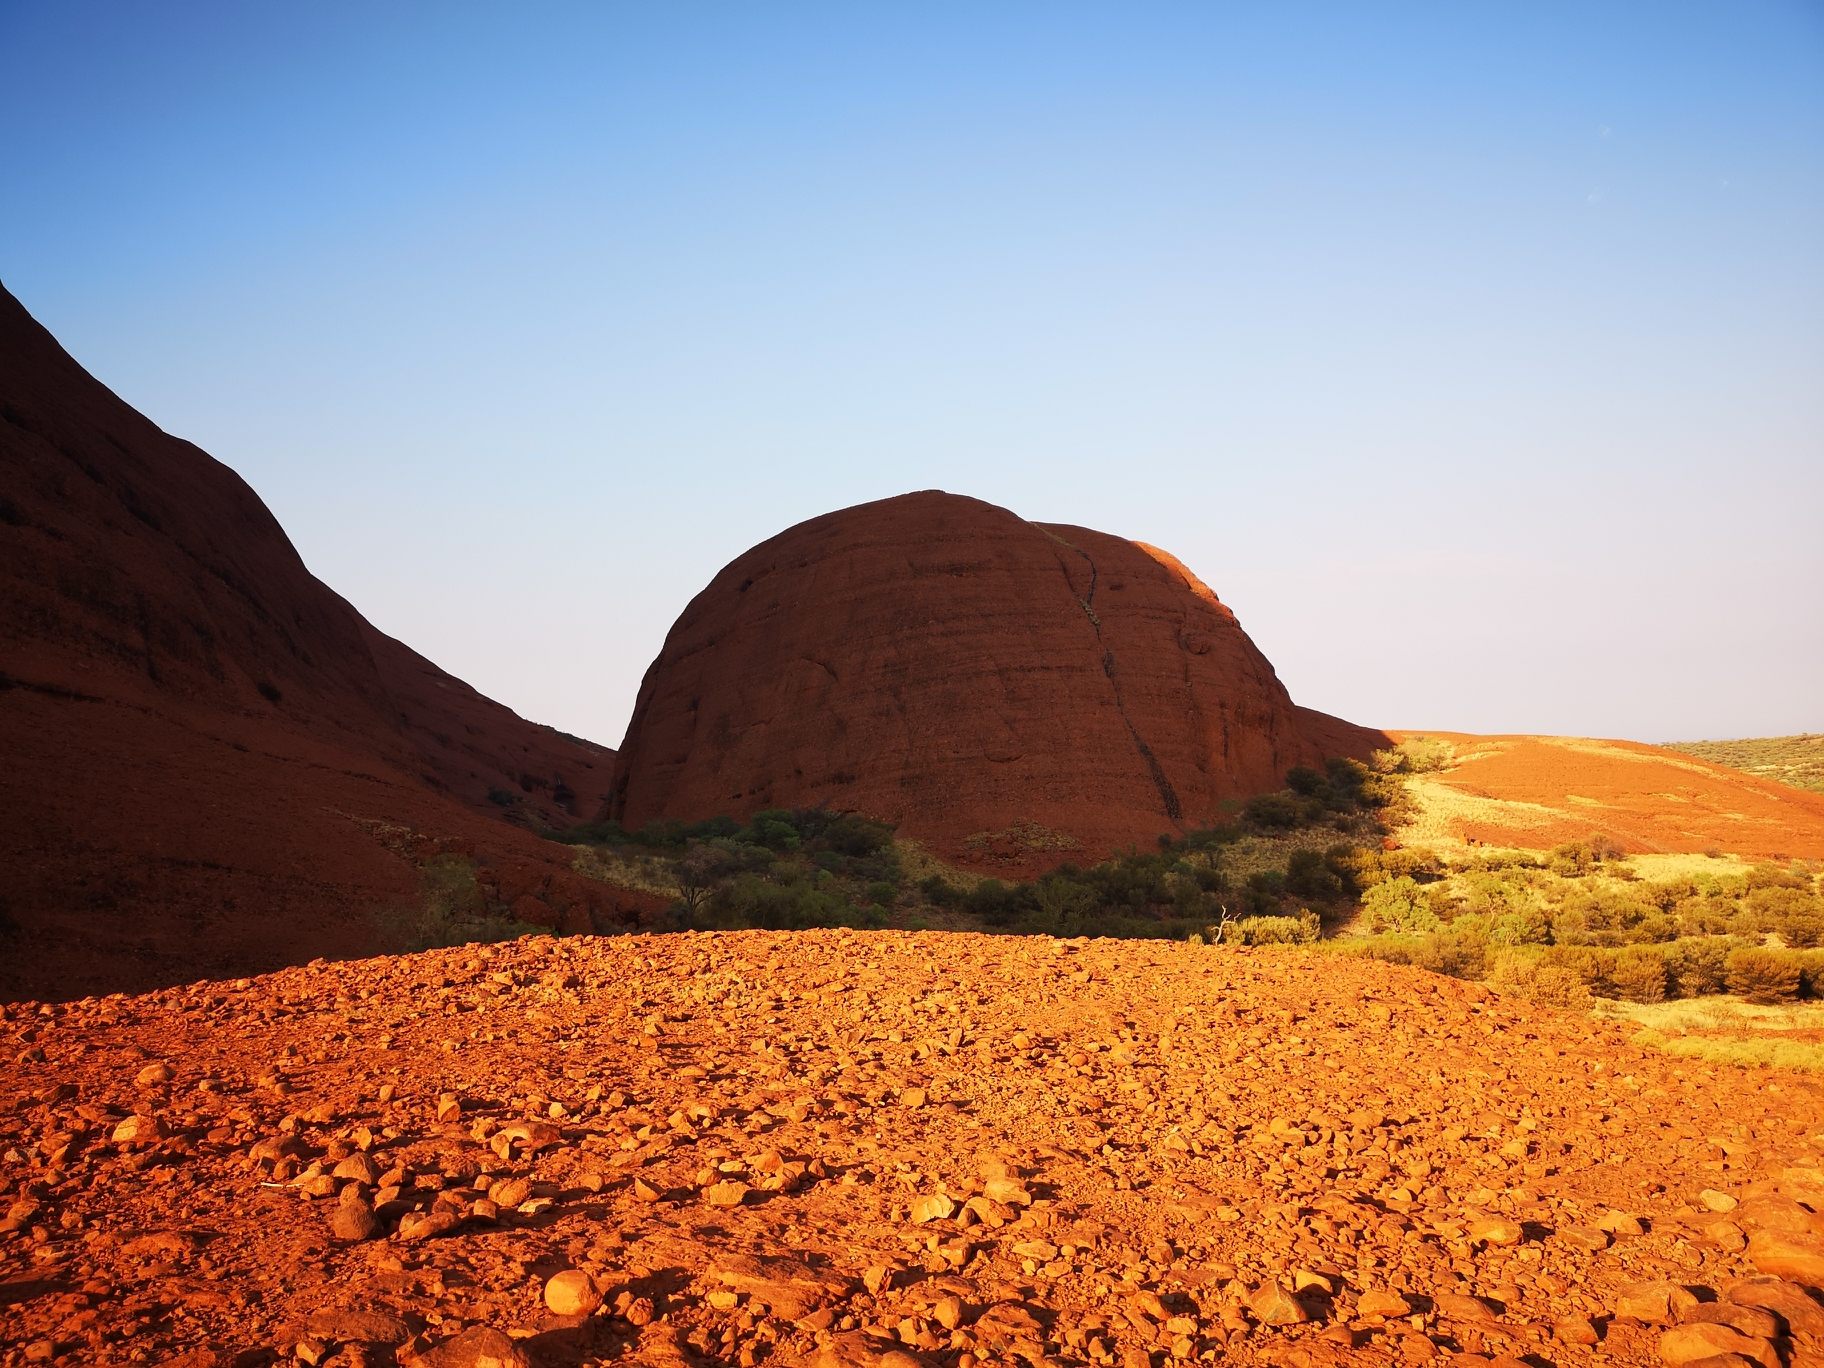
(887,1148)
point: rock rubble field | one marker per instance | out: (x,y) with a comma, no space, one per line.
(886,1150)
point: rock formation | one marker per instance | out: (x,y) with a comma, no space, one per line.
(990,684)
(213,763)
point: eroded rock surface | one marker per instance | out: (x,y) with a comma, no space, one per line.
(888,1148)
(1003,689)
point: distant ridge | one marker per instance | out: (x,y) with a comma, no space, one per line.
(1795,760)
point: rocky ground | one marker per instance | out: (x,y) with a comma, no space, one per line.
(888,1149)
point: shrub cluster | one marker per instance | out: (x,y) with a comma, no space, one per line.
(1575,923)
(1583,894)
(452,909)
(782,869)
(1566,975)
(1345,794)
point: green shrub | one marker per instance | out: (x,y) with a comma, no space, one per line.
(1638,974)
(1590,966)
(590,833)
(1604,914)
(1802,933)
(1415,755)
(881,893)
(1300,930)
(1276,810)
(450,910)
(1530,926)
(1811,972)
(857,836)
(772,828)
(752,902)
(1303,780)
(1348,777)
(1309,874)
(997,903)
(940,892)
(1525,975)
(1763,975)
(1461,951)
(1059,896)
(1265,888)
(1696,965)
(1399,906)
(1766,875)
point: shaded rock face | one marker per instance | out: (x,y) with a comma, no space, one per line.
(998,687)
(213,762)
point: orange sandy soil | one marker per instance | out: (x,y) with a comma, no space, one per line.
(1644,798)
(886,1150)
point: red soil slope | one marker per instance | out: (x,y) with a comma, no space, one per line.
(202,742)
(1004,690)
(1642,797)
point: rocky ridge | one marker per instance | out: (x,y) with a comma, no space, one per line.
(883,1148)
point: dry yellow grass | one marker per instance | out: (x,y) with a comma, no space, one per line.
(641,873)
(1727,1030)
(1439,806)
(917,863)
(1676,866)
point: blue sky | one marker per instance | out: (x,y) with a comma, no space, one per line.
(1472,353)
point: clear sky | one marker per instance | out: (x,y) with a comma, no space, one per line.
(1474,354)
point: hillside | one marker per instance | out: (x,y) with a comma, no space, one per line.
(214,764)
(1796,760)
(1535,792)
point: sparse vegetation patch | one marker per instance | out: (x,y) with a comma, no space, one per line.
(1795,760)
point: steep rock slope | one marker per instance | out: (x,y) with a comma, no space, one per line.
(210,756)
(986,682)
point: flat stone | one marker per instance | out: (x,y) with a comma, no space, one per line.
(1788,1255)
(1689,1343)
(727,1193)
(1458,1307)
(1380,1302)
(1786,1300)
(365,1326)
(1273,1305)
(934,1207)
(1496,1230)
(479,1347)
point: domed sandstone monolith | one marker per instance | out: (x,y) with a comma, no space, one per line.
(1000,689)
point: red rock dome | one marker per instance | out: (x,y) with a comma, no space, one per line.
(998,688)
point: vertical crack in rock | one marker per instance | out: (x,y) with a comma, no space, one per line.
(1167,794)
